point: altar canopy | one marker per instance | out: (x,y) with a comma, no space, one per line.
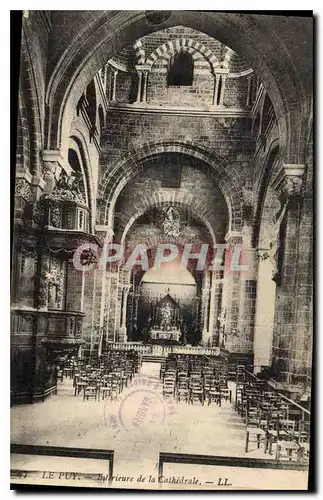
(166,314)
(166,320)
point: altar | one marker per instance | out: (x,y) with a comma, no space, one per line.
(170,335)
(166,322)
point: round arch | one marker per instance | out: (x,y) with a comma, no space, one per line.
(31,101)
(264,182)
(200,213)
(113,29)
(194,48)
(224,174)
(78,143)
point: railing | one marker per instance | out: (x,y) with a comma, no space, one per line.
(272,389)
(222,461)
(160,350)
(59,451)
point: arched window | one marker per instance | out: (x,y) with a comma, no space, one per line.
(74,163)
(91,98)
(256,125)
(267,114)
(180,72)
(101,119)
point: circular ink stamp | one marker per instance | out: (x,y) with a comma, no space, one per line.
(140,405)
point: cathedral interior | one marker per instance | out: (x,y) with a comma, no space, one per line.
(154,128)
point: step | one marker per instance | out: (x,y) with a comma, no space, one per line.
(153,359)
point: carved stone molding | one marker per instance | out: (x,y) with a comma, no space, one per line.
(23,189)
(289,180)
(234,238)
(104,233)
(227,122)
(52,168)
(67,188)
(262,254)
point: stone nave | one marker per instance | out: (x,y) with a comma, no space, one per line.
(147,132)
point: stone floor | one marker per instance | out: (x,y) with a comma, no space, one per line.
(137,427)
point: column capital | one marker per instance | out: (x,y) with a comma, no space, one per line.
(143,68)
(220,71)
(106,232)
(234,238)
(53,156)
(263,254)
(289,179)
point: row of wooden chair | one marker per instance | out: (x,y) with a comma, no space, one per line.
(272,420)
(194,379)
(100,378)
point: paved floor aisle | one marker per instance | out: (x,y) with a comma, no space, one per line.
(137,426)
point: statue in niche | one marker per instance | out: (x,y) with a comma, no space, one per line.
(63,181)
(68,188)
(76,181)
(171,222)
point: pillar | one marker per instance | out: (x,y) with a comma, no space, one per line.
(265,310)
(206,308)
(248,288)
(215,292)
(233,334)
(144,93)
(289,341)
(105,234)
(217,77)
(114,84)
(139,88)
(143,72)
(123,330)
(248,100)
(223,80)
(118,305)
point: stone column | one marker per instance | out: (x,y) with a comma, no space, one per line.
(107,234)
(114,84)
(123,330)
(212,305)
(217,77)
(265,310)
(205,308)
(144,93)
(137,297)
(248,100)
(216,302)
(108,278)
(223,80)
(118,305)
(139,88)
(289,340)
(143,72)
(248,287)
(231,295)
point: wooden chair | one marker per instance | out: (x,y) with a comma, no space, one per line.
(214,394)
(196,391)
(91,392)
(169,387)
(255,427)
(182,390)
